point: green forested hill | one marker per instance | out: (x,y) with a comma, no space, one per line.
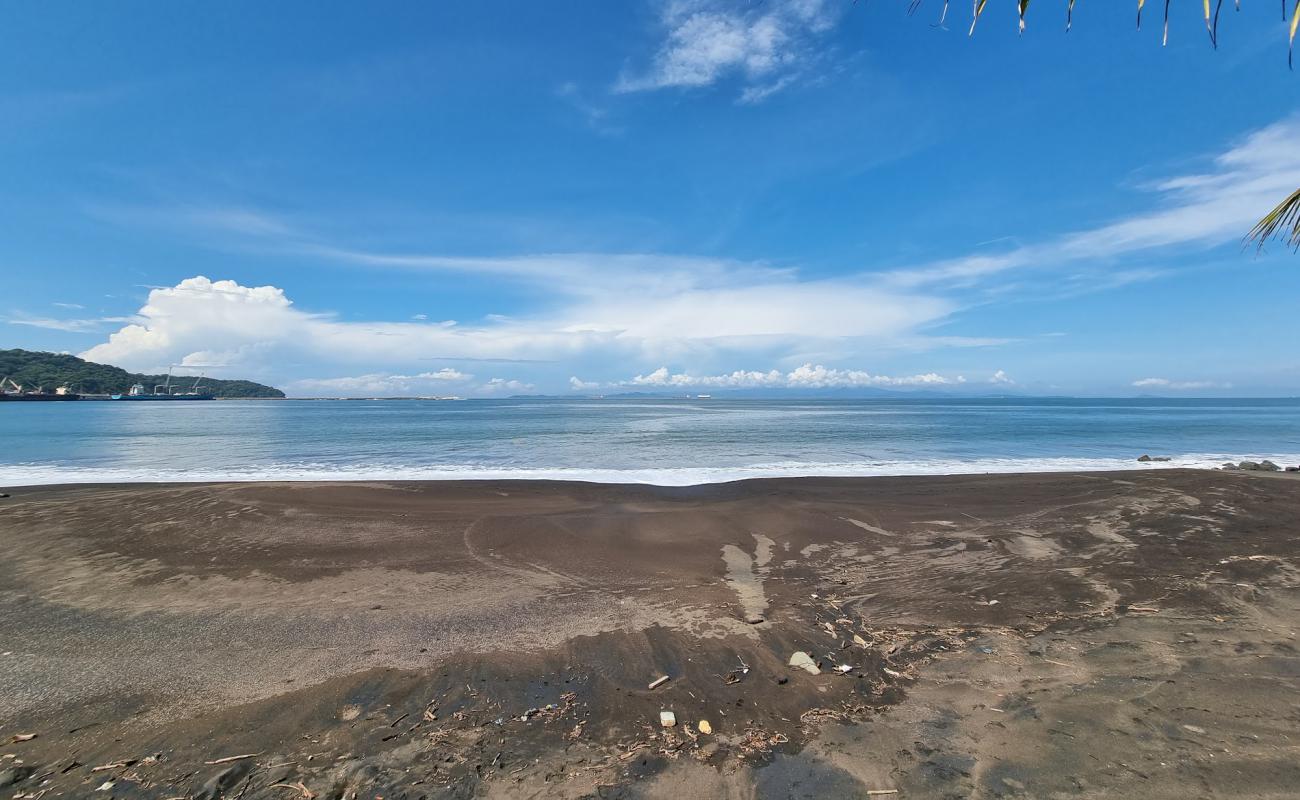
(32,369)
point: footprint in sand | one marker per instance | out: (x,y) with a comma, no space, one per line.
(744,573)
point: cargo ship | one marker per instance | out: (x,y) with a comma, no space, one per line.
(164,391)
(16,392)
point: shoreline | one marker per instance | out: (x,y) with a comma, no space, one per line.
(1092,634)
(16,476)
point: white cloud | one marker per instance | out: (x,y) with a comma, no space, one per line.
(579,385)
(609,315)
(258,332)
(1165,383)
(1001,377)
(764,45)
(51,324)
(1203,209)
(66,325)
(506,386)
(808,376)
(70,306)
(378,383)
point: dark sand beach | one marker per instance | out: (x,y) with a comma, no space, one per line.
(1063,635)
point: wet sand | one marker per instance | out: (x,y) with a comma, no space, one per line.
(1086,635)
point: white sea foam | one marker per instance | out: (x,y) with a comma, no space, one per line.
(35,474)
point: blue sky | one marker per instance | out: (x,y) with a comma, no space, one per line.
(590,197)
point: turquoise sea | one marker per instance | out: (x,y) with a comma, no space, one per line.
(626,440)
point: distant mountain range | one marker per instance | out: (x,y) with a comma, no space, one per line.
(34,369)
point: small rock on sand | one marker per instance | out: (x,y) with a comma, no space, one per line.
(667,719)
(220,783)
(805,662)
(14,775)
(705,727)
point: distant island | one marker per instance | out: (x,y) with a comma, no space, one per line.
(33,368)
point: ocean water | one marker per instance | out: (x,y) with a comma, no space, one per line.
(669,442)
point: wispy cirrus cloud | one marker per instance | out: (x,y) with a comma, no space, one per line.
(65,325)
(764,46)
(1200,209)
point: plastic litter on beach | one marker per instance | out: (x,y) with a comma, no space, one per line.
(228,759)
(307,794)
(737,674)
(657,682)
(114,765)
(667,719)
(705,727)
(805,662)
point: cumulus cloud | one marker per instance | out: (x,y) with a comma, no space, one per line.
(579,385)
(1001,377)
(202,321)
(764,46)
(808,376)
(1165,383)
(506,386)
(383,383)
(259,332)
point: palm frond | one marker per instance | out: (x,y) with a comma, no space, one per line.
(979,9)
(1213,25)
(1295,22)
(1282,223)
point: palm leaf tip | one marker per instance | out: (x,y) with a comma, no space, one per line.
(1295,22)
(1282,223)
(975,18)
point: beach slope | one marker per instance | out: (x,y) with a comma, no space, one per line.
(1083,635)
